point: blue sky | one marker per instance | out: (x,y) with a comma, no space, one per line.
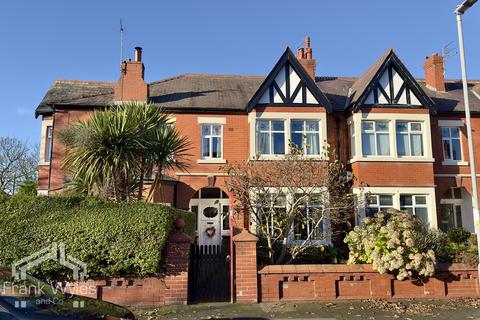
(47,40)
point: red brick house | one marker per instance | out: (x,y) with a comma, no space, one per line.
(403,138)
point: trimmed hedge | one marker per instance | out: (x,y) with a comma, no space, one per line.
(113,239)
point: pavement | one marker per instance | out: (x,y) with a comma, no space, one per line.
(451,309)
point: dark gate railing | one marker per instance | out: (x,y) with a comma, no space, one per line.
(209,274)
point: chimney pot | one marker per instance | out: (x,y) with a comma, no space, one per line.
(138,54)
(305,58)
(300,53)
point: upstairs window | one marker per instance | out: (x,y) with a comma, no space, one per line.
(452,150)
(351,130)
(375,138)
(306,135)
(409,138)
(48,143)
(270,136)
(211,141)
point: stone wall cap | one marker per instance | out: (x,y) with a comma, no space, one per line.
(245,236)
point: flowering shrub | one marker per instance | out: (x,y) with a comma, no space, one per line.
(387,241)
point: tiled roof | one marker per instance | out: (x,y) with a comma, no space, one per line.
(204,91)
(232,92)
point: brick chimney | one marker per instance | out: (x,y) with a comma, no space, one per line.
(305,57)
(434,72)
(131,86)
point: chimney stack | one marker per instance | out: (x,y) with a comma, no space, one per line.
(131,86)
(305,57)
(434,72)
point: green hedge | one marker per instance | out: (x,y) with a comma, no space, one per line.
(113,239)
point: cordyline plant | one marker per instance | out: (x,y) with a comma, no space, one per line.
(112,152)
(294,201)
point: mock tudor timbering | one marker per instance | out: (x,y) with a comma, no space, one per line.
(402,137)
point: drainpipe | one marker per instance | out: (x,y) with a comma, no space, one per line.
(51,152)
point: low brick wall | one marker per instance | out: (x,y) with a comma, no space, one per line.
(344,282)
(172,288)
(124,291)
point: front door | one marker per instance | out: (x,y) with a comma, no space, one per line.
(209,222)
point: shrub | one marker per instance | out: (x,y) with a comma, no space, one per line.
(112,239)
(458,235)
(387,241)
(319,254)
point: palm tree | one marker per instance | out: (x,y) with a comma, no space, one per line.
(111,151)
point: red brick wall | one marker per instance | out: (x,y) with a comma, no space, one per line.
(246,285)
(393,173)
(149,291)
(343,282)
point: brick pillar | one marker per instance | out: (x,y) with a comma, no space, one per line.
(246,289)
(176,271)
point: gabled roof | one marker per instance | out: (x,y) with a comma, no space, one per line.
(289,57)
(368,81)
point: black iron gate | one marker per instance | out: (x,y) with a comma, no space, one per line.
(209,274)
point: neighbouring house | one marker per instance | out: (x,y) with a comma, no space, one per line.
(403,138)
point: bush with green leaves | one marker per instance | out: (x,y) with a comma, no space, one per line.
(458,235)
(390,243)
(112,239)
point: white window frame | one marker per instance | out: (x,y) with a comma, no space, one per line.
(255,116)
(414,204)
(43,160)
(357,118)
(377,204)
(409,133)
(270,132)
(325,229)
(327,240)
(351,130)
(210,139)
(304,133)
(429,192)
(447,161)
(375,135)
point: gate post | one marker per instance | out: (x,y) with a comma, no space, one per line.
(246,289)
(177,259)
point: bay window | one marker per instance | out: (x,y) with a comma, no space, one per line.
(305,134)
(375,138)
(309,223)
(270,137)
(452,150)
(211,141)
(409,138)
(378,203)
(416,205)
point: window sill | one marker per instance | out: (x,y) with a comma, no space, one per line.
(44,163)
(211,161)
(311,242)
(454,163)
(391,159)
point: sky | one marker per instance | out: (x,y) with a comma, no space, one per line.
(57,39)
